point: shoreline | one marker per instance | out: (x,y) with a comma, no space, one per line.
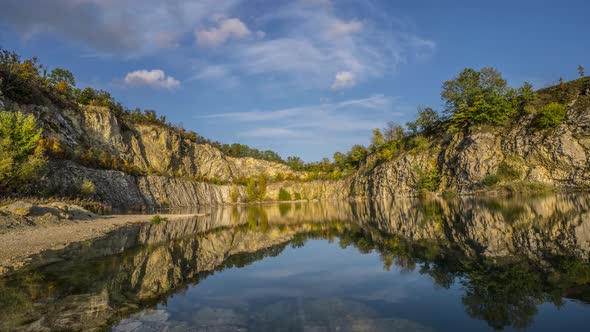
(16,247)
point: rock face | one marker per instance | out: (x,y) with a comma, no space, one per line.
(152,148)
(122,190)
(558,157)
(555,157)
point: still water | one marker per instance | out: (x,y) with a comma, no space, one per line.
(410,265)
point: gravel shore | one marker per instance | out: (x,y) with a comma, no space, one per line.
(17,245)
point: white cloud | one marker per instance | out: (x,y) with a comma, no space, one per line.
(342,27)
(113,26)
(155,78)
(343,80)
(227,28)
(315,43)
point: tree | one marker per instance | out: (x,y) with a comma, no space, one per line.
(526,94)
(284,195)
(251,191)
(22,157)
(427,120)
(85,96)
(261,186)
(340,160)
(295,163)
(581,71)
(377,141)
(478,97)
(58,75)
(393,132)
(357,155)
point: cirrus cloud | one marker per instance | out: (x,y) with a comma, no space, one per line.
(155,78)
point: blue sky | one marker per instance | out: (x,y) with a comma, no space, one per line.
(301,77)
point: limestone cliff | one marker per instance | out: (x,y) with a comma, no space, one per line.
(149,147)
(462,162)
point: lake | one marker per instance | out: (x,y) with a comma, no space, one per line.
(411,265)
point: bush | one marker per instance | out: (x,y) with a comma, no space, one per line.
(21,156)
(429,181)
(234,195)
(297,196)
(550,115)
(157,219)
(505,172)
(284,195)
(87,188)
(491,180)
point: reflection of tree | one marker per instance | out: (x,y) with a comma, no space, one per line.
(503,295)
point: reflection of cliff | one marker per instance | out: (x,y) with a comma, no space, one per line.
(108,278)
(510,255)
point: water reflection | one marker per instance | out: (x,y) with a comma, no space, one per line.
(502,260)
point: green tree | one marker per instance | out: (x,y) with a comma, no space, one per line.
(251,190)
(295,163)
(581,71)
(377,141)
(526,94)
(21,156)
(393,132)
(284,195)
(340,160)
(357,155)
(478,97)
(58,75)
(261,186)
(427,120)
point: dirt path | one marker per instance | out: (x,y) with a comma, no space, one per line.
(17,246)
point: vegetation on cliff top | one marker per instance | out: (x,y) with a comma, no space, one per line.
(473,99)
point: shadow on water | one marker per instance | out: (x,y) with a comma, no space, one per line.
(502,260)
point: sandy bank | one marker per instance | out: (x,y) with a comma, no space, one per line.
(19,244)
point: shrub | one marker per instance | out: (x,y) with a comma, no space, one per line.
(430,180)
(491,180)
(505,172)
(297,196)
(550,115)
(234,195)
(87,188)
(157,219)
(284,195)
(22,157)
